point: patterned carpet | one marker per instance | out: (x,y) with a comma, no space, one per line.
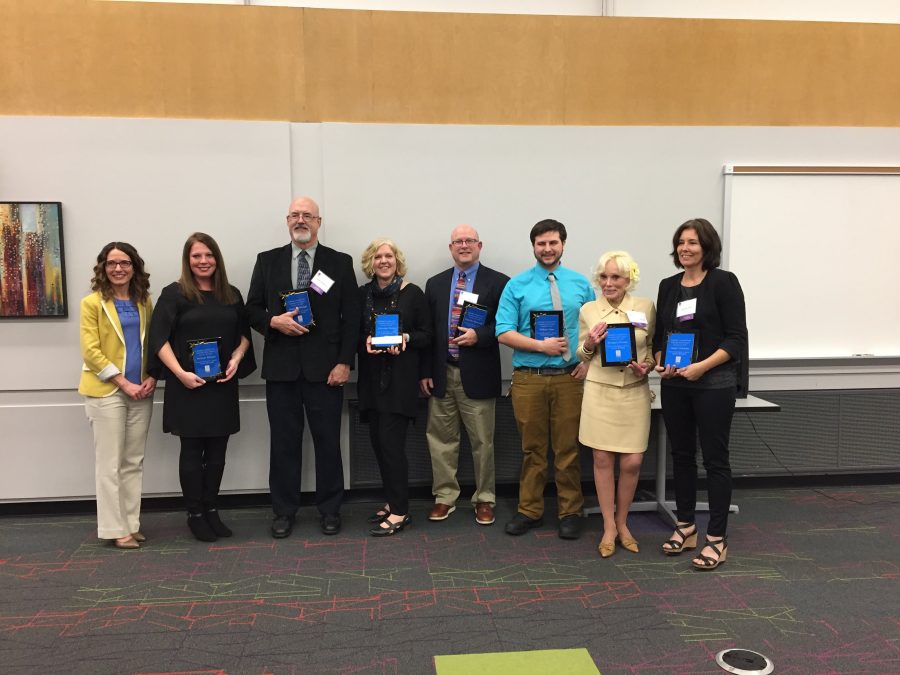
(811,581)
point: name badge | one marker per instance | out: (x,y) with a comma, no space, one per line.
(321,282)
(637,318)
(686,309)
(465,296)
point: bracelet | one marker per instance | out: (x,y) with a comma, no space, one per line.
(589,352)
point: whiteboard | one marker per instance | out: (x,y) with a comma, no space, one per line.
(816,255)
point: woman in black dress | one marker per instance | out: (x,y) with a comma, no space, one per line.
(388,382)
(203,411)
(698,399)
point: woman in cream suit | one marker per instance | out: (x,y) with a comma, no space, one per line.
(615,410)
(117,389)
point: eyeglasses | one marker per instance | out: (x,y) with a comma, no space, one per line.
(464,242)
(306,217)
(113,264)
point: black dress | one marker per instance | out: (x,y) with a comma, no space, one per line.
(210,410)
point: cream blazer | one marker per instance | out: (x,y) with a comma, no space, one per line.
(103,344)
(600,310)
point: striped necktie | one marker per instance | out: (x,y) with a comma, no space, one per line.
(456,310)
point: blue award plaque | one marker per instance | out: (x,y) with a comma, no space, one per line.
(388,332)
(681,349)
(472,316)
(619,347)
(205,354)
(547,324)
(299,300)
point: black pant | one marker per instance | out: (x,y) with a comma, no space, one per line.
(285,404)
(687,412)
(201,465)
(387,432)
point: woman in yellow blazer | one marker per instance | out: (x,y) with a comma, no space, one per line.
(117,389)
(615,410)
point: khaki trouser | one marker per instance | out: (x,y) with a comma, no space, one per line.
(443,431)
(548,407)
(120,427)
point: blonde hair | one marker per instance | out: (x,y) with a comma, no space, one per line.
(626,265)
(367,259)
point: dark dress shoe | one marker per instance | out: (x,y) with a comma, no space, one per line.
(282,526)
(520,524)
(331,523)
(216,524)
(200,528)
(570,527)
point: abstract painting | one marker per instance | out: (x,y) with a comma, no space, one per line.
(32,266)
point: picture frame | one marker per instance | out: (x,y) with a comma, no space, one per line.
(32,261)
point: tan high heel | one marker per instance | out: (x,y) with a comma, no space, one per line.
(687,541)
(607,548)
(629,544)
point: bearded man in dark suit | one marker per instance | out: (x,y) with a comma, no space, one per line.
(305,369)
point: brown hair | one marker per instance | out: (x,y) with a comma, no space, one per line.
(709,242)
(222,290)
(138,287)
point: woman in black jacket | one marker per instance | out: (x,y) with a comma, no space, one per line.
(388,382)
(698,398)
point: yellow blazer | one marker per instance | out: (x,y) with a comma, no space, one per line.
(600,310)
(103,344)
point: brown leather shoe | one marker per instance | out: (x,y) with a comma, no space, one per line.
(484,513)
(441,511)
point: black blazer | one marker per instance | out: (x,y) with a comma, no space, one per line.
(336,313)
(479,366)
(721,319)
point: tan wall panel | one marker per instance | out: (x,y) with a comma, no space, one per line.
(81,57)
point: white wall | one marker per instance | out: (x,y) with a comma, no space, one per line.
(152,182)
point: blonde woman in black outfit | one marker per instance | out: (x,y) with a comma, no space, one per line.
(388,383)
(698,399)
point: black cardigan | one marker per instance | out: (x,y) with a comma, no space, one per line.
(402,386)
(721,320)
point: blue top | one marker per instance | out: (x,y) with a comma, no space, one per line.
(470,284)
(131,328)
(530,292)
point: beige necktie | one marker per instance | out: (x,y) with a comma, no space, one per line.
(557,305)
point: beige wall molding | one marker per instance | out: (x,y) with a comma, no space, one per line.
(87,58)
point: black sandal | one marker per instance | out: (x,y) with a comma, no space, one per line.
(688,539)
(379,515)
(391,529)
(707,562)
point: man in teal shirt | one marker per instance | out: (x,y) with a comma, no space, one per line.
(548,380)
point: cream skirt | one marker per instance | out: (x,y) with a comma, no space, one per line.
(616,419)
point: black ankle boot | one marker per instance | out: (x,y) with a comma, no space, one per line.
(215,523)
(200,528)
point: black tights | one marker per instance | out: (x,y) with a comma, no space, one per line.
(200,468)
